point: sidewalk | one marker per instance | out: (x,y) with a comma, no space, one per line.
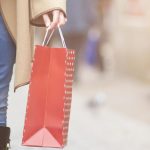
(104,128)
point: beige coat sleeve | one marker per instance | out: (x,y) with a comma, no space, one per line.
(40,7)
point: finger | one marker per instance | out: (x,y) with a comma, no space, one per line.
(47,20)
(62,19)
(56,15)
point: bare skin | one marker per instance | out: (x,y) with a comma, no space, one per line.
(58,19)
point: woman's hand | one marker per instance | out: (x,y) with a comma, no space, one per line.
(58,19)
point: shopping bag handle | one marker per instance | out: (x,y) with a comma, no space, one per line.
(49,34)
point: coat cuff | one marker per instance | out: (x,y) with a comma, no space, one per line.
(40,7)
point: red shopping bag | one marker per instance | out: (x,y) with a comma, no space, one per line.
(49,97)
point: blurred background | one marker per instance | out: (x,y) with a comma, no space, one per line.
(111,92)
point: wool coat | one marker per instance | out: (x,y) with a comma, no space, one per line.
(21,17)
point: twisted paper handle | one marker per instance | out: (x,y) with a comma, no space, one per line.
(48,36)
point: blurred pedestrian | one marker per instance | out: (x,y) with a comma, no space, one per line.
(82,16)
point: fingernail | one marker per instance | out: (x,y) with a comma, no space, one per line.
(49,27)
(48,24)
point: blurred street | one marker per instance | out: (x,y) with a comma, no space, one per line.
(111,108)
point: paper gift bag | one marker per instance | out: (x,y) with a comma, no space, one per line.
(49,97)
